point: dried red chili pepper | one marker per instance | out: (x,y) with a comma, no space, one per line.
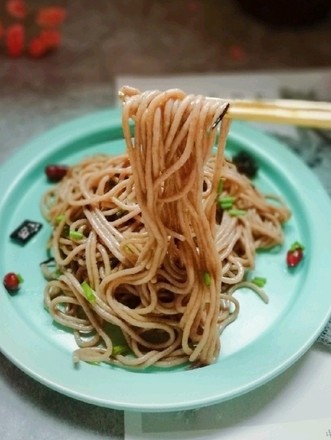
(16,8)
(15,36)
(51,38)
(51,16)
(37,48)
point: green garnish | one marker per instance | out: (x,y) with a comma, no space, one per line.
(71,233)
(226,202)
(88,292)
(119,349)
(236,212)
(207,279)
(20,278)
(220,187)
(259,281)
(75,235)
(296,245)
(59,218)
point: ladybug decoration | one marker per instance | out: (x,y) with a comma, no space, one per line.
(295,254)
(12,281)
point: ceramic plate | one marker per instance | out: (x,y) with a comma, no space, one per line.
(263,342)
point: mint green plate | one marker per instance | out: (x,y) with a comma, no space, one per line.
(263,342)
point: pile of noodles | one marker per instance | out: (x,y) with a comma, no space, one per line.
(141,245)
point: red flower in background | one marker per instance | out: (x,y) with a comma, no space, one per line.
(16,8)
(15,36)
(51,17)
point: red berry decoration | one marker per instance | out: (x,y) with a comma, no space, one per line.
(51,38)
(51,16)
(15,37)
(12,281)
(55,173)
(16,8)
(37,48)
(294,254)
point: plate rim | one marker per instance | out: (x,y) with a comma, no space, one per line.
(241,133)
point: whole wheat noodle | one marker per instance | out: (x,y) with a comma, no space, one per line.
(156,256)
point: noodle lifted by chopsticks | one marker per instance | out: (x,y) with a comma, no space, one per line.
(140,241)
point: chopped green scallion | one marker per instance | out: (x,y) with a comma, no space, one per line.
(226,205)
(259,281)
(59,218)
(226,202)
(220,187)
(236,212)
(88,292)
(296,245)
(119,349)
(75,235)
(207,279)
(20,278)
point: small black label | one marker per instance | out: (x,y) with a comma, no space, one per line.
(26,231)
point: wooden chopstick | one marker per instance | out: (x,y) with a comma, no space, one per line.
(293,112)
(313,114)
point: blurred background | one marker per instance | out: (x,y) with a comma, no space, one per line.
(60,59)
(106,38)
